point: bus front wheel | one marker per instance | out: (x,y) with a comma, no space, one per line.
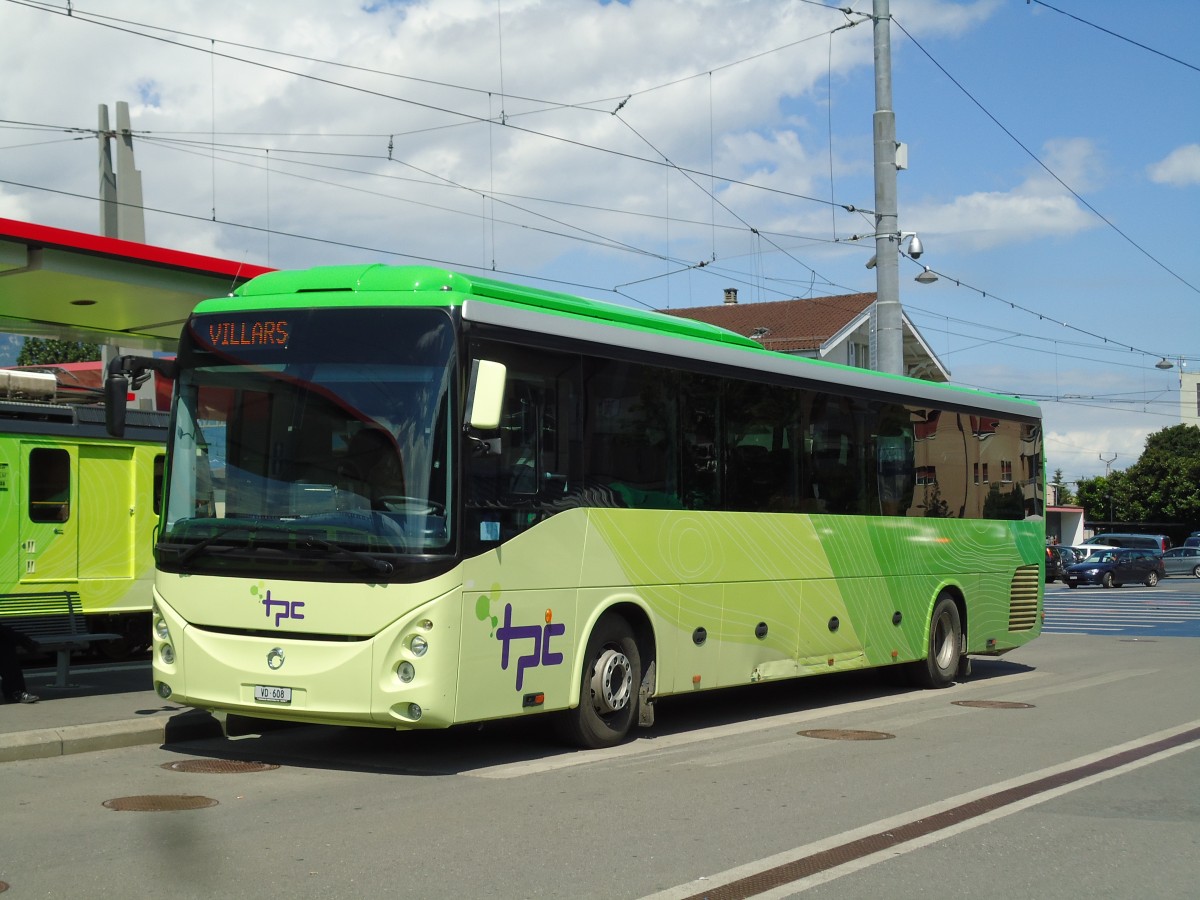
(938,668)
(608,691)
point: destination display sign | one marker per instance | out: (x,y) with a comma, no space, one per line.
(247,332)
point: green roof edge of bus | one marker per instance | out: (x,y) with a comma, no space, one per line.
(447,288)
(292,289)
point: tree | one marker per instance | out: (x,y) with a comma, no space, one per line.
(39,352)
(1162,486)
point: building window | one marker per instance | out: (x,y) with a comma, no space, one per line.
(926,475)
(1006,471)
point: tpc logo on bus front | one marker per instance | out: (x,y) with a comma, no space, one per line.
(280,609)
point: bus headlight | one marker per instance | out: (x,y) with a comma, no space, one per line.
(164,690)
(414,711)
(406,672)
(160,626)
(167,654)
(418,645)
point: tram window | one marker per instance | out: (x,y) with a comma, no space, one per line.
(49,485)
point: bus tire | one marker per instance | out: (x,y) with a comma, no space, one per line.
(608,689)
(940,665)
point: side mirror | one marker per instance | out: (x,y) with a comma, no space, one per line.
(485,394)
(116,392)
(124,371)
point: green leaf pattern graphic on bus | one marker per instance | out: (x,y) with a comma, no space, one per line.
(483,608)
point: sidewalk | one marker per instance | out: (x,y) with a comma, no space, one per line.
(102,707)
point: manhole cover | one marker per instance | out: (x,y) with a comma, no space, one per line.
(846,734)
(993,704)
(218,766)
(159,803)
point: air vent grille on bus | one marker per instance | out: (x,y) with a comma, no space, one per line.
(1023,598)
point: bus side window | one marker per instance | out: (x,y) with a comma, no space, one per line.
(700,473)
(837,454)
(761,459)
(519,429)
(629,436)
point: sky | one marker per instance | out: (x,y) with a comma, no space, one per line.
(656,152)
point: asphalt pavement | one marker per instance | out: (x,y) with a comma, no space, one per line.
(102,707)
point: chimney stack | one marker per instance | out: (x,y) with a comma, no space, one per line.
(731,296)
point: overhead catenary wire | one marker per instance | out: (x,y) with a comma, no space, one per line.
(758,233)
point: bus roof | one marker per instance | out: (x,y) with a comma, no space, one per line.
(538,311)
(446,288)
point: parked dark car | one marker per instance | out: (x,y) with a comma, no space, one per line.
(1182,561)
(1057,560)
(1113,568)
(1054,567)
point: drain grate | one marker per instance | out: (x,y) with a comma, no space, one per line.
(846,734)
(218,766)
(993,704)
(159,803)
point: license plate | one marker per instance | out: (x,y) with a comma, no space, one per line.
(268,694)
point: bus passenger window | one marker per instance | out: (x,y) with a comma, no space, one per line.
(838,478)
(49,485)
(700,474)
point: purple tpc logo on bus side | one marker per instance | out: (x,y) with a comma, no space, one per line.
(539,655)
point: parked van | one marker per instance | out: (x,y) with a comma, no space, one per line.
(1159,542)
(1193,540)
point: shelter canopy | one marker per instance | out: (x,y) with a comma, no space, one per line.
(69,285)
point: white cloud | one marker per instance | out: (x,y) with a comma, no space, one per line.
(1180,168)
(1038,207)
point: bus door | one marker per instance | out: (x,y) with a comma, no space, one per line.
(49,521)
(106,515)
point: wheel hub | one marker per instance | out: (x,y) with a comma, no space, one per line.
(612,682)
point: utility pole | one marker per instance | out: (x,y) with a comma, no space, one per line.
(888,323)
(1107,486)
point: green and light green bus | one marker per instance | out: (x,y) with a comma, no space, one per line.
(79,508)
(407,498)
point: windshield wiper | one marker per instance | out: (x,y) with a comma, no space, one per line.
(308,541)
(382,566)
(212,538)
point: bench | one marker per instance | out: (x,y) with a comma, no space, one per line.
(53,622)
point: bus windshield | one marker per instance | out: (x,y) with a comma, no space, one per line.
(312,441)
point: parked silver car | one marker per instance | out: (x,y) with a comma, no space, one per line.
(1182,561)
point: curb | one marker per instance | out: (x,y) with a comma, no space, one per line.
(70,739)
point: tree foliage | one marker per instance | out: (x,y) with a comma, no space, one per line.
(1162,486)
(40,352)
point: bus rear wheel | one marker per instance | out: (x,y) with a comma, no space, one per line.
(608,690)
(944,650)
